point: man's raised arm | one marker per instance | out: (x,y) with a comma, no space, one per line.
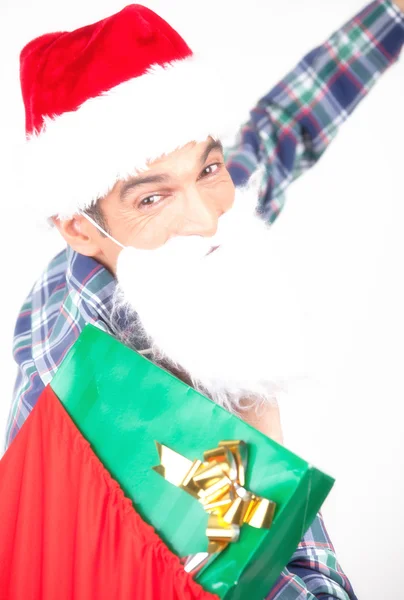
(292,126)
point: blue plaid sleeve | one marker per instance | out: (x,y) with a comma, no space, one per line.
(313,572)
(292,126)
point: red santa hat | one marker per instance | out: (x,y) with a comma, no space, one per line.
(103,100)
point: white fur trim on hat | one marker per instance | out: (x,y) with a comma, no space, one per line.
(78,156)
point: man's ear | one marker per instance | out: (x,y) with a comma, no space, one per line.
(80,235)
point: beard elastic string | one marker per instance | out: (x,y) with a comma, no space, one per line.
(91,220)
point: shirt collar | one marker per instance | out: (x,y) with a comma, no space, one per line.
(94,286)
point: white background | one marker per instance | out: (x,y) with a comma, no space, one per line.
(340,234)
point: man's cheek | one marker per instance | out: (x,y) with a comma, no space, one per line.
(227,195)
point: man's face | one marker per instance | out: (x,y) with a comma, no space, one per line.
(182,194)
(226,318)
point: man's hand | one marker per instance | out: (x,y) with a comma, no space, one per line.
(400,4)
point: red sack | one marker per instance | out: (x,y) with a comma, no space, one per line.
(67,532)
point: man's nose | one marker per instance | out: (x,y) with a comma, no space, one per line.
(200,217)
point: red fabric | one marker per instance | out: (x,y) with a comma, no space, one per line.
(60,71)
(66,529)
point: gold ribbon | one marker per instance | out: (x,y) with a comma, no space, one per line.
(218,483)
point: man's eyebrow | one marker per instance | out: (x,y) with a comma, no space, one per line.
(141,180)
(213,145)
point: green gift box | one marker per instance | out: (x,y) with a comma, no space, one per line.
(122,403)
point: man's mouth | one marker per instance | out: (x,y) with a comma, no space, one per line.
(212,249)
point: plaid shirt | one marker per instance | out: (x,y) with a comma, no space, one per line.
(288,131)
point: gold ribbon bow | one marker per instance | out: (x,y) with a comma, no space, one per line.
(217,483)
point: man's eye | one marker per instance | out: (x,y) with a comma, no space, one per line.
(150,200)
(210,169)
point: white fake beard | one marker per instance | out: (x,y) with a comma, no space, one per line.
(229,318)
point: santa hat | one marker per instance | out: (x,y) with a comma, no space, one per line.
(103,100)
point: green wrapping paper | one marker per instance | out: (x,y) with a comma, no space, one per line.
(122,403)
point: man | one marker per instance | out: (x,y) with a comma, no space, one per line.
(162,250)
